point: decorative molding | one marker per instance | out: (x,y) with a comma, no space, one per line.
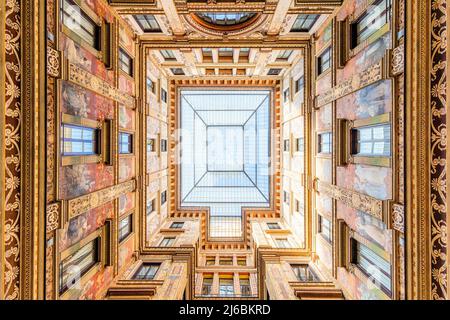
(398,217)
(82,78)
(361,202)
(398,60)
(79,205)
(54,214)
(54,63)
(359,81)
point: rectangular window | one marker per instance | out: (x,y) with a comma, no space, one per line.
(226,261)
(177,71)
(226,286)
(125,227)
(325,228)
(273,226)
(167,242)
(286,95)
(210,261)
(72,268)
(177,225)
(79,140)
(372,141)
(80,23)
(324,61)
(163,145)
(244,282)
(374,266)
(274,72)
(147,22)
(164,95)
(325,143)
(150,206)
(300,145)
(370,22)
(168,55)
(207,284)
(286,197)
(147,271)
(282,243)
(304,22)
(304,273)
(299,84)
(242,261)
(286,145)
(284,55)
(151,145)
(163,197)
(125,143)
(151,86)
(125,62)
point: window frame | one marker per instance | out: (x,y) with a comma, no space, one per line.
(177,225)
(167,242)
(273,226)
(121,63)
(163,95)
(321,71)
(146,30)
(89,15)
(319,138)
(103,141)
(123,237)
(144,264)
(130,144)
(153,205)
(311,275)
(163,198)
(314,21)
(327,236)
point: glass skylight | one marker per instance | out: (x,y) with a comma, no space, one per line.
(225,154)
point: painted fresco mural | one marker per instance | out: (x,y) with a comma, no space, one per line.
(79,180)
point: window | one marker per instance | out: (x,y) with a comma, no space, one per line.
(325,143)
(226,18)
(299,84)
(207,284)
(286,95)
(286,145)
(80,23)
(304,273)
(125,227)
(372,264)
(325,228)
(324,62)
(150,206)
(151,86)
(226,261)
(168,55)
(225,52)
(273,226)
(163,145)
(79,141)
(300,145)
(177,71)
(125,143)
(284,55)
(125,62)
(304,22)
(282,243)
(76,265)
(163,197)
(274,72)
(244,282)
(370,22)
(372,141)
(242,261)
(167,242)
(299,207)
(286,197)
(147,271)
(164,95)
(226,285)
(147,23)
(210,261)
(151,145)
(177,225)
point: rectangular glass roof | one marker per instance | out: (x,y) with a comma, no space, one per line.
(225,154)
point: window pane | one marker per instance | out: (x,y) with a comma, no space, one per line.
(78,140)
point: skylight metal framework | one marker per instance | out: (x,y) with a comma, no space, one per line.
(225,154)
